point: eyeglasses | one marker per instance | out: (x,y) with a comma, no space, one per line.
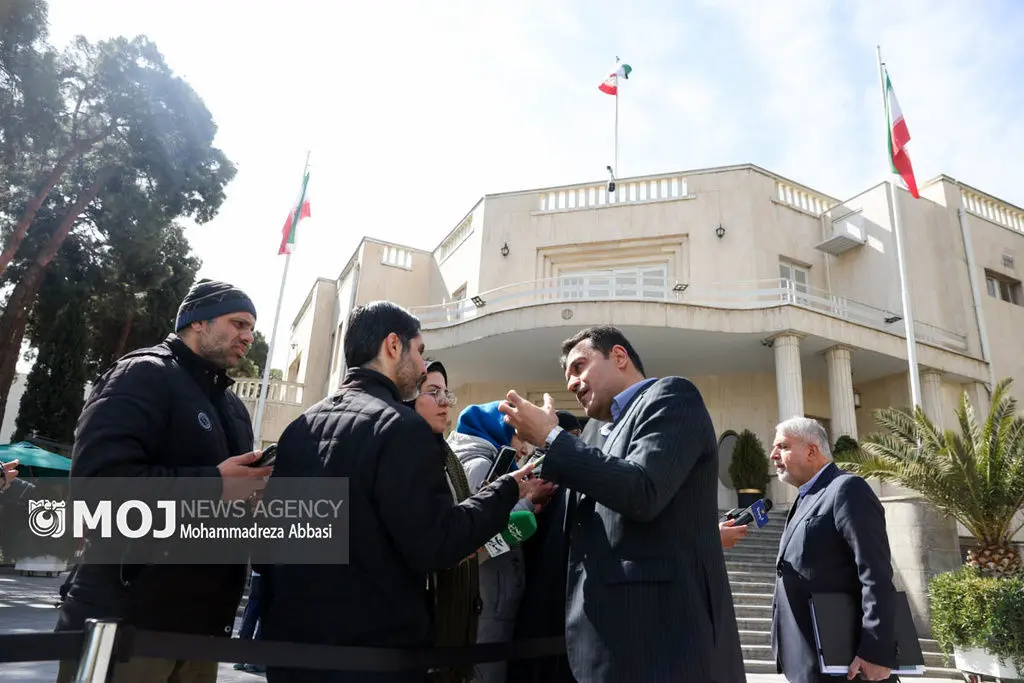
(442,397)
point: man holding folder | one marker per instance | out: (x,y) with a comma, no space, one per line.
(834,542)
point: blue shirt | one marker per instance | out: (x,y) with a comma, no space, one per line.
(622,400)
(807,487)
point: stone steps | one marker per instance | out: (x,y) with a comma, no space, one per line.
(752,599)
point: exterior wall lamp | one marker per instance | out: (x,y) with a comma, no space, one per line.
(856,399)
(504,249)
(720,231)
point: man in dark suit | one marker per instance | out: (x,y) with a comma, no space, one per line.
(834,542)
(648,598)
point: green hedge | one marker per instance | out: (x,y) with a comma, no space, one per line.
(749,466)
(971,610)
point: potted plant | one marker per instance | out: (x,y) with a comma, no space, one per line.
(976,475)
(844,445)
(981,620)
(749,469)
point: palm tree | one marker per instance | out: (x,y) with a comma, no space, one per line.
(975,476)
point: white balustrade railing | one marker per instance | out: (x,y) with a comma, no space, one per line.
(630,191)
(753,294)
(278,391)
(452,242)
(798,198)
(991,209)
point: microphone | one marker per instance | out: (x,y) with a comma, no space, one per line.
(522,524)
(757,513)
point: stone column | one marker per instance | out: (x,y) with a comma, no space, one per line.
(790,386)
(840,392)
(931,398)
(788,376)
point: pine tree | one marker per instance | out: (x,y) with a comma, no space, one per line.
(54,395)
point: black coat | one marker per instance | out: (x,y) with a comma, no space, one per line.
(834,542)
(542,611)
(158,412)
(403,525)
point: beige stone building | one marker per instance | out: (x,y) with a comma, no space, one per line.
(773,298)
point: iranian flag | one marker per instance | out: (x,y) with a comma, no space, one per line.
(899,136)
(291,225)
(610,85)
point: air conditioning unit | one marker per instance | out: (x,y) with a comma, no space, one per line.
(846,231)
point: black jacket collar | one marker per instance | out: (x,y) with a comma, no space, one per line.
(211,378)
(368,379)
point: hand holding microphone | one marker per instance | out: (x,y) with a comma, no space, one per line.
(522,524)
(737,521)
(757,513)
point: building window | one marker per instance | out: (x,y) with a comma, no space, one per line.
(645,282)
(795,276)
(794,280)
(1002,287)
(396,256)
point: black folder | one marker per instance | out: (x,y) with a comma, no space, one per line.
(837,624)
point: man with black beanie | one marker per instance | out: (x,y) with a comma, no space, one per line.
(164,411)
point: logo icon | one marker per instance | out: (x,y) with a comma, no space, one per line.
(760,513)
(204,421)
(46,518)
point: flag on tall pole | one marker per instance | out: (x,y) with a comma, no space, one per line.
(291,224)
(899,163)
(610,86)
(299,211)
(899,136)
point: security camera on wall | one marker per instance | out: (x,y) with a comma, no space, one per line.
(611,181)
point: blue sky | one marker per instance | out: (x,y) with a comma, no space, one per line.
(414,109)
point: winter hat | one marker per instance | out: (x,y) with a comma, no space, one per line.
(209,299)
(486,422)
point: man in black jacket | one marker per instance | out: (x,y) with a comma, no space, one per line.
(165,411)
(403,522)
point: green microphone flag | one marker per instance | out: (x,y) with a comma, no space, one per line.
(522,524)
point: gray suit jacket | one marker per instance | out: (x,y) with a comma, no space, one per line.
(648,598)
(835,542)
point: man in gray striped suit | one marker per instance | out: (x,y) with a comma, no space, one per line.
(648,598)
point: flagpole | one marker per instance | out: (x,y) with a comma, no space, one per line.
(897,223)
(265,384)
(616,167)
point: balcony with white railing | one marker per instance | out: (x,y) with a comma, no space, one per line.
(627,191)
(992,209)
(278,391)
(643,286)
(801,199)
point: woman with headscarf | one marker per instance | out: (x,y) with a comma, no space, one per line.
(456,590)
(480,434)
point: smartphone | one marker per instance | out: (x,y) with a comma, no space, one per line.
(267,458)
(502,464)
(537,459)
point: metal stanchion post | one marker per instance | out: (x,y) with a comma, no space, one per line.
(98,650)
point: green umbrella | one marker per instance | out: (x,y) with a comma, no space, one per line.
(31,456)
